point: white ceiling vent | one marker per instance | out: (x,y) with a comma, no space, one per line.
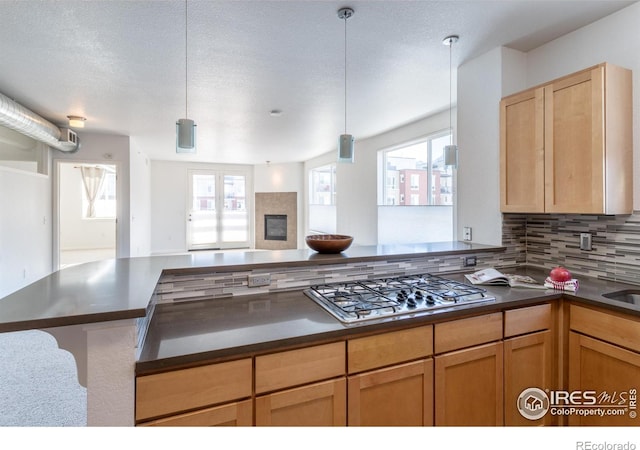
(68,135)
(24,121)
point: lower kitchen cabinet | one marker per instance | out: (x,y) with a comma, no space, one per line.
(528,359)
(612,373)
(319,404)
(302,387)
(468,386)
(238,414)
(394,396)
(604,359)
(527,364)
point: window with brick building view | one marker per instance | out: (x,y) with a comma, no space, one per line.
(416,174)
(415,192)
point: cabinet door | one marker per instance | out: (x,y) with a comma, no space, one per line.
(604,368)
(527,364)
(468,386)
(320,404)
(522,152)
(588,142)
(395,396)
(234,414)
(574,157)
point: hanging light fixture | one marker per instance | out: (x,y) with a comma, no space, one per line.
(185,128)
(451,150)
(346,141)
(76,121)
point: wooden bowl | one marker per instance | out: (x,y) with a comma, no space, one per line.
(328,243)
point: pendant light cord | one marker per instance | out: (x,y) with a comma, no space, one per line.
(186,92)
(345,73)
(450,93)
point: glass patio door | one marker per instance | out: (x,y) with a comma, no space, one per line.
(217,215)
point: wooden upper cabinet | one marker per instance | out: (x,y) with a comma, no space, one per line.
(566,146)
(522,152)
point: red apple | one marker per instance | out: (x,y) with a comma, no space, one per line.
(560,274)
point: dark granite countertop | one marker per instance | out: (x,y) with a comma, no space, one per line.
(122,288)
(209,330)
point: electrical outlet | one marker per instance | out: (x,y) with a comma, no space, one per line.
(470,261)
(262,279)
(585,241)
(466,233)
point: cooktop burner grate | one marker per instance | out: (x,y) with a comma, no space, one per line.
(398,297)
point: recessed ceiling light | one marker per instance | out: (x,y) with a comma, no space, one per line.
(275,112)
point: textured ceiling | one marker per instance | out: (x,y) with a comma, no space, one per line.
(121,64)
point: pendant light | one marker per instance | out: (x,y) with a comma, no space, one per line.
(185,128)
(346,141)
(451,150)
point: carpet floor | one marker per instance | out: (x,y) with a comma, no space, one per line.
(38,383)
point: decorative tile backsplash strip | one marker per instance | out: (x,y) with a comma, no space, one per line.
(175,288)
(554,239)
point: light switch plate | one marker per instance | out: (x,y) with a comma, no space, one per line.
(585,241)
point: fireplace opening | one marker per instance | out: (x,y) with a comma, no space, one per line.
(275,227)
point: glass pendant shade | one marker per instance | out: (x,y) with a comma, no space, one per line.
(346,148)
(185,136)
(451,155)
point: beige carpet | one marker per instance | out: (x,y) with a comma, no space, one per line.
(38,383)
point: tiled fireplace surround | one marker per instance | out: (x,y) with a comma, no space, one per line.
(541,240)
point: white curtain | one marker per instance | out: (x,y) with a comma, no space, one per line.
(92,179)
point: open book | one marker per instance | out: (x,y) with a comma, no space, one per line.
(493,277)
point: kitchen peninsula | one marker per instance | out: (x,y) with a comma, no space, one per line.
(101,311)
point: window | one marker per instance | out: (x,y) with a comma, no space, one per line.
(104,204)
(422,163)
(415,192)
(218,215)
(322,199)
(415,181)
(322,185)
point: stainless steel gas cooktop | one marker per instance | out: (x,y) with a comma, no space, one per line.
(394,298)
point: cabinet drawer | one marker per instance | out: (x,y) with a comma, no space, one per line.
(234,414)
(463,333)
(180,390)
(527,320)
(389,348)
(605,326)
(296,367)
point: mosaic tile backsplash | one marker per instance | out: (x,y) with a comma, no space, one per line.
(176,288)
(547,240)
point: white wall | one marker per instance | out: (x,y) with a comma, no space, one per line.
(283,178)
(25,228)
(482,82)
(169,196)
(140,201)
